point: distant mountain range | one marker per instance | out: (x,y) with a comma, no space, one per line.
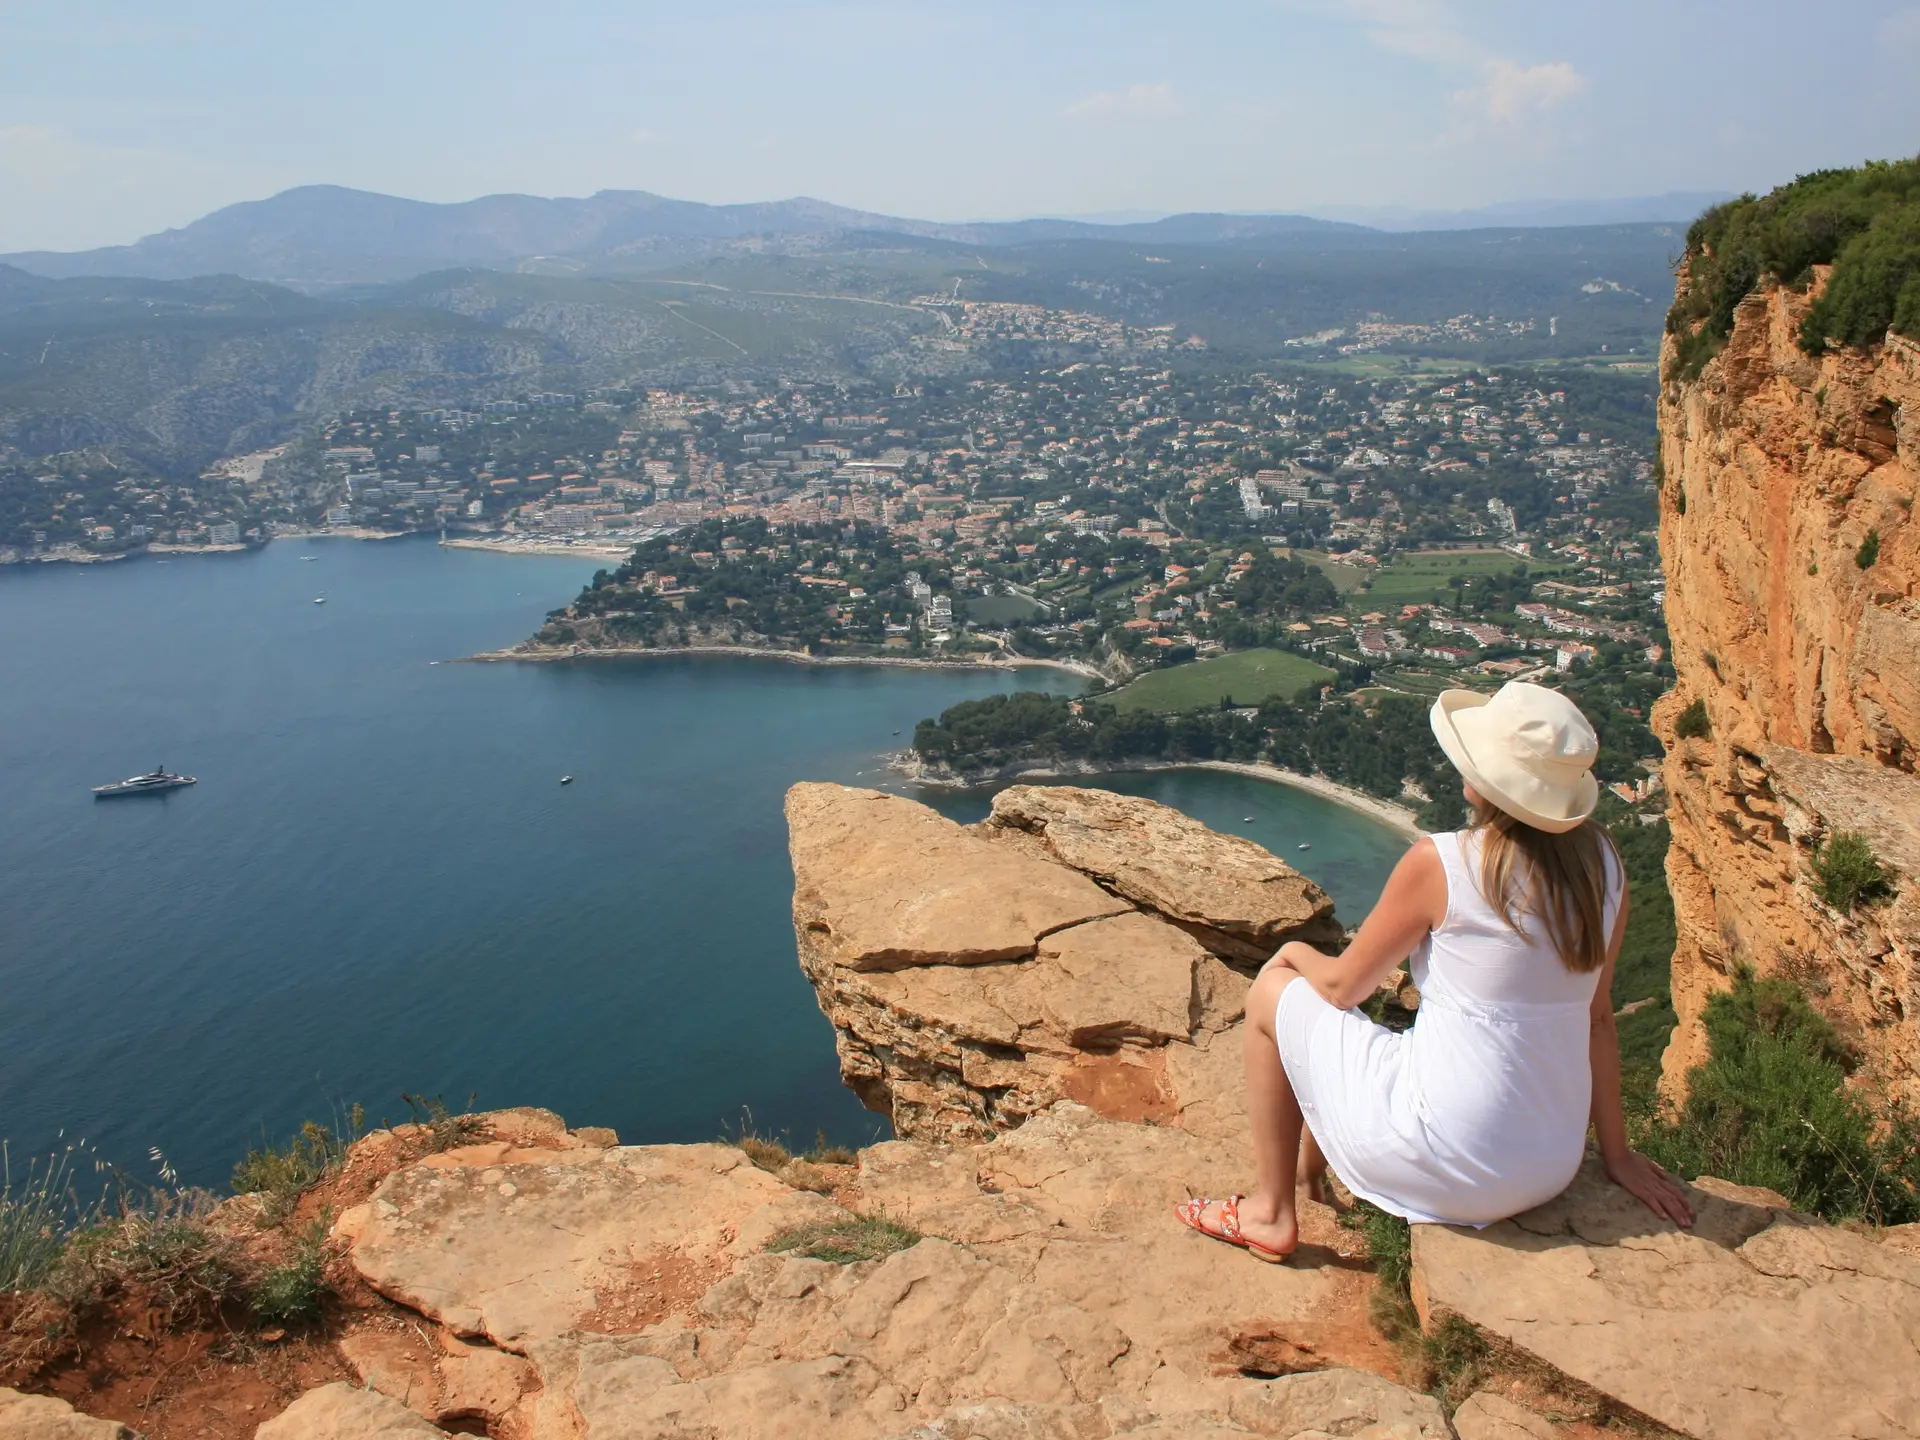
(326,235)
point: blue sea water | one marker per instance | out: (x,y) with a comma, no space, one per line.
(379,884)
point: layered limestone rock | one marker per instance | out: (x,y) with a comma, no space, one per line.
(1778,468)
(1076,945)
(1757,1321)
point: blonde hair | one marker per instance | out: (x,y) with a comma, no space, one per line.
(1561,879)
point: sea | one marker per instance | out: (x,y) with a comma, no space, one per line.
(379,888)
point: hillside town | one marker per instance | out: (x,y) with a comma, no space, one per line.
(1122,516)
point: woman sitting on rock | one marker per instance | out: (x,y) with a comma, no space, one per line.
(1480,1110)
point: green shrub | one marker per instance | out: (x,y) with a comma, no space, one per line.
(1692,723)
(1769,1107)
(294,1293)
(1869,550)
(1846,872)
(864,1237)
(1864,222)
(281,1176)
(163,1244)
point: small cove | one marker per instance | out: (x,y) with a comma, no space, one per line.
(379,884)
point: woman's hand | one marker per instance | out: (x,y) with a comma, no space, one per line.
(1657,1190)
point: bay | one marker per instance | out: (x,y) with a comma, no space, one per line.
(380,886)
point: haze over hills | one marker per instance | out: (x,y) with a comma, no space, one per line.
(323,236)
(1675,207)
(320,235)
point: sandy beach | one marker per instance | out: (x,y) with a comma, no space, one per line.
(791,657)
(1394,817)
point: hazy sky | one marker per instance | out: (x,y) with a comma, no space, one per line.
(117,119)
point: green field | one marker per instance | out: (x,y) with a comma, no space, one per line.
(1428,575)
(1245,676)
(1346,578)
(1004,610)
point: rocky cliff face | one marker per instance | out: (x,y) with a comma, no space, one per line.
(1793,565)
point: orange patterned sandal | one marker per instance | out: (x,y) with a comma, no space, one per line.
(1192,1214)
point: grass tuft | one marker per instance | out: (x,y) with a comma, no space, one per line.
(826,1153)
(444,1129)
(864,1237)
(39,1210)
(774,1154)
(1869,550)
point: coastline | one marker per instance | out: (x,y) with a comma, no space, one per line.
(1385,812)
(790,657)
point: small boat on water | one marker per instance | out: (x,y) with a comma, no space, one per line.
(309,557)
(566,779)
(158,780)
(319,599)
(1246,819)
(1305,846)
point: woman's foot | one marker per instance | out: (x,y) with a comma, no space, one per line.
(1269,1230)
(1320,1190)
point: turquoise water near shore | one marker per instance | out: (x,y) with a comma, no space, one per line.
(379,884)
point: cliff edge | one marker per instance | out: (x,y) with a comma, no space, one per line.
(1793,599)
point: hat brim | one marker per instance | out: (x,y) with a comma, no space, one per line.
(1555,812)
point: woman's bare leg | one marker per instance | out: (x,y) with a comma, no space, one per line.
(1268,1216)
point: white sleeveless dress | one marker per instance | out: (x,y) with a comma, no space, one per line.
(1480,1110)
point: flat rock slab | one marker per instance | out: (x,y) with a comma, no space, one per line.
(41,1417)
(1350,1404)
(1758,1321)
(341,1412)
(1242,901)
(882,883)
(595,1238)
(1082,1208)
(1487,1416)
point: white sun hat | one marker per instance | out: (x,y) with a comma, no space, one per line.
(1525,748)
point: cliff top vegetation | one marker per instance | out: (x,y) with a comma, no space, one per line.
(1864,222)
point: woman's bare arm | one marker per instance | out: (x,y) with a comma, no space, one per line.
(1626,1167)
(1414,902)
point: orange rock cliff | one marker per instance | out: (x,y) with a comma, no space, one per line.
(1793,599)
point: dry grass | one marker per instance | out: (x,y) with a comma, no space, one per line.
(863,1237)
